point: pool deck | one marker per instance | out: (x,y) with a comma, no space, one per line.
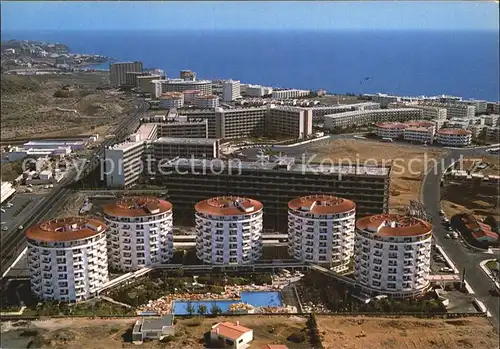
(165,305)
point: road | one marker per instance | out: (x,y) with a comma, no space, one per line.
(13,244)
(461,256)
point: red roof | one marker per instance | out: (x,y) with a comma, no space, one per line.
(478,229)
(230,330)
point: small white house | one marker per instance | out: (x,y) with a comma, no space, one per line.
(231,335)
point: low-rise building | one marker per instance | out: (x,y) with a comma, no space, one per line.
(318,113)
(153,328)
(454,137)
(171,100)
(190,95)
(288,94)
(231,335)
(206,101)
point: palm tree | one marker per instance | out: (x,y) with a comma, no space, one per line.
(202,309)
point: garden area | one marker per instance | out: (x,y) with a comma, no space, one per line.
(160,283)
(321,294)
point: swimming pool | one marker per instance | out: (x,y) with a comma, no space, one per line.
(257,299)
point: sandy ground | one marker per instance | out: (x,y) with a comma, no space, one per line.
(408,164)
(98,334)
(406,333)
(29,107)
(466,197)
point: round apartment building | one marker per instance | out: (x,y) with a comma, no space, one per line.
(321,230)
(229,230)
(454,137)
(67,259)
(139,232)
(392,254)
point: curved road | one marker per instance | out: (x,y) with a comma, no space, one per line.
(460,255)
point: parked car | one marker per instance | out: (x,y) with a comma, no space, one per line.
(5,228)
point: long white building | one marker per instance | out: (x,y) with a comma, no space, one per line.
(368,117)
(321,230)
(454,137)
(228,230)
(139,232)
(392,255)
(288,94)
(67,259)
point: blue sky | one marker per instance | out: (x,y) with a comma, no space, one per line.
(428,15)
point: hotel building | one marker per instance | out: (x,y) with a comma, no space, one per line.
(144,83)
(392,255)
(169,148)
(318,113)
(256,90)
(274,184)
(228,230)
(321,230)
(206,101)
(170,100)
(241,122)
(454,137)
(187,75)
(139,232)
(67,259)
(180,85)
(289,94)
(117,71)
(428,112)
(289,121)
(190,95)
(454,110)
(181,128)
(368,117)
(230,90)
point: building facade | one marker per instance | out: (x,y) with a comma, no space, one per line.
(273,183)
(368,117)
(199,148)
(67,259)
(139,232)
(289,121)
(321,230)
(231,90)
(228,230)
(392,255)
(206,101)
(454,137)
(171,100)
(118,71)
(289,94)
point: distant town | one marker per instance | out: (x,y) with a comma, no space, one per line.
(242,216)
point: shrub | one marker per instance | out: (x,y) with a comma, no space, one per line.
(297,337)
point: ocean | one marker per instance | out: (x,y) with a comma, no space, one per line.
(409,63)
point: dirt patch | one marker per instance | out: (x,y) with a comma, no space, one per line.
(406,332)
(35,105)
(189,333)
(409,164)
(469,196)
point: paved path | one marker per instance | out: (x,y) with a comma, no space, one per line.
(461,256)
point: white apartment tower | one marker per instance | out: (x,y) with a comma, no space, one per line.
(139,232)
(67,259)
(230,90)
(392,254)
(229,230)
(321,230)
